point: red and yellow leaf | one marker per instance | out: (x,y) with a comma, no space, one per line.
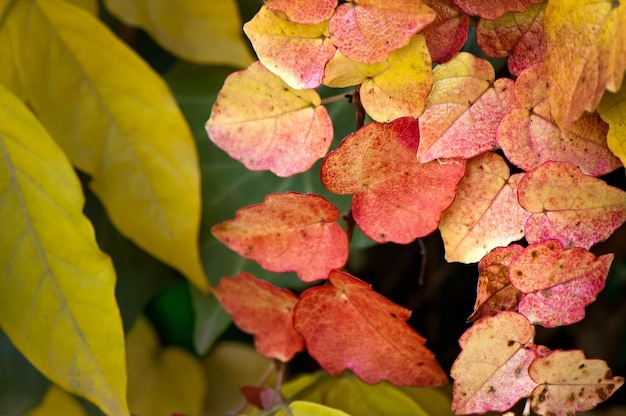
(491,372)
(585,54)
(485,213)
(464,109)
(391,89)
(260,121)
(495,292)
(264,310)
(396,198)
(295,52)
(447,34)
(368,31)
(493,9)
(516,35)
(570,383)
(346,325)
(288,232)
(304,11)
(612,109)
(557,283)
(567,205)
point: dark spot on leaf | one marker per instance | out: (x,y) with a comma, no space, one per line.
(608,375)
(571,397)
(581,392)
(581,366)
(518,371)
(419,364)
(519,273)
(491,390)
(601,394)
(393,315)
(542,395)
(610,387)
(510,343)
(534,254)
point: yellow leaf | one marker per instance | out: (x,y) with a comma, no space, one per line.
(90,6)
(202,31)
(117,121)
(302,408)
(57,287)
(585,54)
(58,402)
(161,380)
(612,109)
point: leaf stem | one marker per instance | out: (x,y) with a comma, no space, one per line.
(335,98)
(350,224)
(268,372)
(6,11)
(358,107)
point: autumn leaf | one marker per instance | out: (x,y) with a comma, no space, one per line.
(264,310)
(490,9)
(577,76)
(396,198)
(260,121)
(58,300)
(303,408)
(570,383)
(121,126)
(368,31)
(567,205)
(464,109)
(288,232)
(491,372)
(296,52)
(447,34)
(529,137)
(485,213)
(612,109)
(346,325)
(395,88)
(58,401)
(304,11)
(516,35)
(557,283)
(495,292)
(185,27)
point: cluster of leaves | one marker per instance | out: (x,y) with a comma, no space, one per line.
(436,154)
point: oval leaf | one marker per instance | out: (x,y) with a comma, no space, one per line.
(260,121)
(447,34)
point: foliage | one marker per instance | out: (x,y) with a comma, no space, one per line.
(505,163)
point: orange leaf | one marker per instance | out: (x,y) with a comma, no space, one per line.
(346,325)
(464,109)
(485,213)
(396,198)
(567,205)
(447,34)
(492,9)
(585,54)
(495,292)
(570,383)
(304,11)
(260,121)
(296,52)
(288,232)
(491,372)
(264,310)
(368,31)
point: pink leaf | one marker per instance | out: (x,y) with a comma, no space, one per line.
(492,9)
(304,11)
(447,34)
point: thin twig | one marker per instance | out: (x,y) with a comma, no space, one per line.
(358,107)
(335,98)
(266,375)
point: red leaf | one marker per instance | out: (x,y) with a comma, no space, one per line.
(260,121)
(396,198)
(557,283)
(492,9)
(491,373)
(485,213)
(569,383)
(304,11)
(368,31)
(495,292)
(288,232)
(262,397)
(464,109)
(264,310)
(447,34)
(567,205)
(349,326)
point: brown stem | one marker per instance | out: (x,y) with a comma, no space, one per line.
(358,107)
(335,98)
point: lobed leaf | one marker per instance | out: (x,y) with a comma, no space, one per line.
(346,325)
(296,52)
(577,77)
(288,232)
(447,34)
(396,198)
(570,383)
(464,109)
(263,310)
(491,372)
(485,213)
(557,283)
(612,109)
(567,205)
(304,11)
(490,9)
(495,292)
(368,31)
(266,125)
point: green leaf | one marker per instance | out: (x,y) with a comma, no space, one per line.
(58,305)
(117,121)
(211,320)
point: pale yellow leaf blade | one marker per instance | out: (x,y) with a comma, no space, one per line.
(207,32)
(612,109)
(58,402)
(57,287)
(117,121)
